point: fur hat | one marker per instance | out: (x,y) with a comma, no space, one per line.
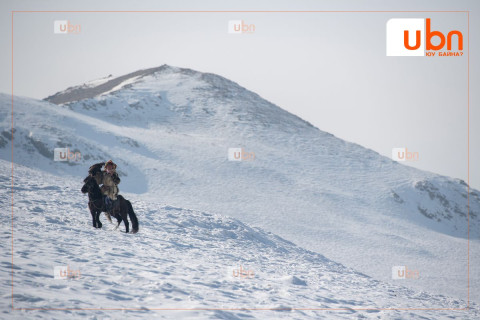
(112,163)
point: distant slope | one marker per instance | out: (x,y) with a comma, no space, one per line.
(181,259)
(41,127)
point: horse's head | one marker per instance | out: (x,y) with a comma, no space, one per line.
(96,169)
(86,184)
(90,185)
(98,176)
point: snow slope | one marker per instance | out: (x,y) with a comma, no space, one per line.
(182,259)
(169,129)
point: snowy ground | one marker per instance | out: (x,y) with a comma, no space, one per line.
(180,259)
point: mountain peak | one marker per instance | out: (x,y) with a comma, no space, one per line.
(108,84)
(160,94)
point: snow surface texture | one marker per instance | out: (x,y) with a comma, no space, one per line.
(169,130)
(181,259)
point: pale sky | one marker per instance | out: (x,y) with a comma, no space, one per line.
(330,69)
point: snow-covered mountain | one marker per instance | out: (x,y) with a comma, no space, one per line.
(169,129)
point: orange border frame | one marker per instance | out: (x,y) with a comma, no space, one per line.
(273,11)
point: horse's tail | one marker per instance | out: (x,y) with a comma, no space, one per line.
(133,217)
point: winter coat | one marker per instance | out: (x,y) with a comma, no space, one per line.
(110,182)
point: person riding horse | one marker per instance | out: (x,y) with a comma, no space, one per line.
(106,199)
(109,180)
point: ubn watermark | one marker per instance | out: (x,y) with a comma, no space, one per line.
(64,272)
(64,154)
(402,272)
(239,26)
(239,154)
(402,154)
(65,27)
(240,272)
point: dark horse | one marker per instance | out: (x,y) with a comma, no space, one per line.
(96,204)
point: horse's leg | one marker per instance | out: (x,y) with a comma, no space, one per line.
(93,215)
(119,220)
(132,216)
(99,224)
(109,218)
(94,220)
(117,216)
(104,209)
(124,213)
(125,221)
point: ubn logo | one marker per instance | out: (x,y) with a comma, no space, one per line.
(65,27)
(64,272)
(243,273)
(413,37)
(238,154)
(64,154)
(402,272)
(402,154)
(239,26)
